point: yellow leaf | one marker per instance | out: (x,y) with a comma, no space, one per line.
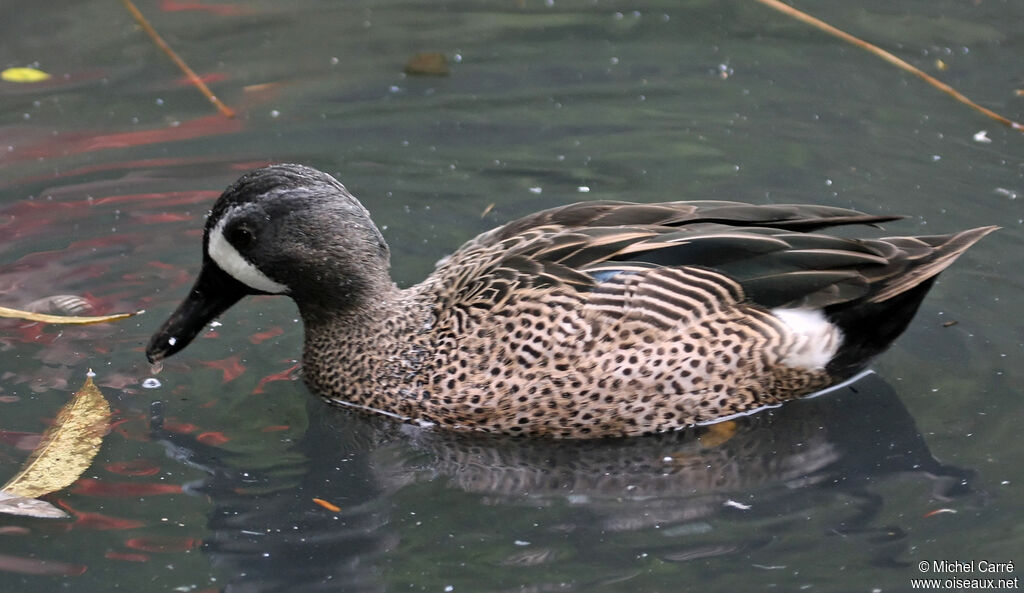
(23,75)
(65,451)
(44,318)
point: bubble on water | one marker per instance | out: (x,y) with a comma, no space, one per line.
(151,383)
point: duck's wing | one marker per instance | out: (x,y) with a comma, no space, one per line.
(771,252)
(602,214)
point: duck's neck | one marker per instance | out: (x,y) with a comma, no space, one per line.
(366,354)
(368,306)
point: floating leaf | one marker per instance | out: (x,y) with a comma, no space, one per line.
(428,63)
(65,451)
(24,75)
(66,319)
(29,507)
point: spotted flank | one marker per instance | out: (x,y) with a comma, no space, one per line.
(594,319)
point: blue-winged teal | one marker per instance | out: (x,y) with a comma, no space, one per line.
(593,319)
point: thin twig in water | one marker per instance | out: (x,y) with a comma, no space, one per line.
(888,57)
(159,41)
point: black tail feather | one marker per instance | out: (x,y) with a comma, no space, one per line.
(870,328)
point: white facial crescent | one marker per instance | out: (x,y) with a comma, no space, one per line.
(232,262)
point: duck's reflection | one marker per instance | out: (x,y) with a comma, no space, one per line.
(780,462)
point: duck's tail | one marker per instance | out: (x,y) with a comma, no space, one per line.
(871,323)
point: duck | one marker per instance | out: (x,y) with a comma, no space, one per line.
(593,319)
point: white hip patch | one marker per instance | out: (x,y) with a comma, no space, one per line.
(239,268)
(815,339)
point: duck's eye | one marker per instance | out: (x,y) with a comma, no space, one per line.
(241,236)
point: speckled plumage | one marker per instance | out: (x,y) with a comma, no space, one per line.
(593,319)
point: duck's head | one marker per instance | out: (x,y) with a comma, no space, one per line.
(283,229)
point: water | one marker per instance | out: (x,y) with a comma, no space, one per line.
(207,480)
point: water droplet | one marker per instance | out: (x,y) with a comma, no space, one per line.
(151,383)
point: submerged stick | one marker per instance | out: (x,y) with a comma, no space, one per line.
(159,41)
(888,57)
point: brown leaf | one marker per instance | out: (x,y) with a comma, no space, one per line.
(44,318)
(64,453)
(427,63)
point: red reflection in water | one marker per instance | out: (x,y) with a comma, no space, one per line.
(161,217)
(26,441)
(214,439)
(136,467)
(162,544)
(39,566)
(71,143)
(261,337)
(231,367)
(135,428)
(180,427)
(91,487)
(285,375)
(126,556)
(98,521)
